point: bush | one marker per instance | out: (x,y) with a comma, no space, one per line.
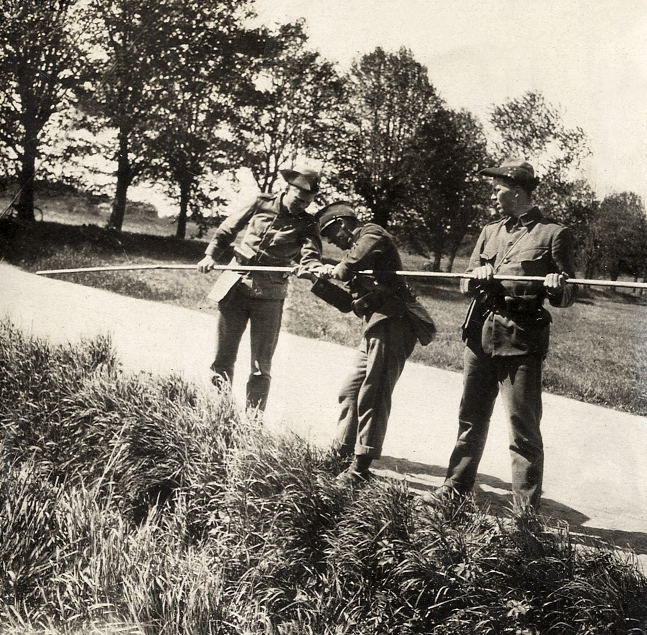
(140,504)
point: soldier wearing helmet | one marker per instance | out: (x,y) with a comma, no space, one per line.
(393,322)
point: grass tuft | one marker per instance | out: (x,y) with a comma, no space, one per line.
(136,504)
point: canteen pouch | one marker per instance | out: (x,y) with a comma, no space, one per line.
(333,295)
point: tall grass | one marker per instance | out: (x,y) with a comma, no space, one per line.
(136,504)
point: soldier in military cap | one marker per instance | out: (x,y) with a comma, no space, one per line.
(506,332)
(393,322)
(278,232)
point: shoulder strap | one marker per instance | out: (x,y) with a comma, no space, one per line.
(523,233)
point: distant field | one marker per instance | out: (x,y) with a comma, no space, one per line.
(76,210)
(599,346)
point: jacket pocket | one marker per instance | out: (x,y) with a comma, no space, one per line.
(535,261)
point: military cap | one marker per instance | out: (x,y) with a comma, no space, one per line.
(305,178)
(516,170)
(330,213)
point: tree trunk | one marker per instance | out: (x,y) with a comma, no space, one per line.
(454,246)
(25,204)
(589,268)
(185,189)
(124,178)
(381,215)
(438,243)
(614,273)
(451,257)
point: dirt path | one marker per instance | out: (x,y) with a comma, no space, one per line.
(596,458)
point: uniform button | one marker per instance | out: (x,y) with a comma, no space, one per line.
(506,261)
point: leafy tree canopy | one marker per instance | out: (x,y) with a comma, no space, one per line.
(445,196)
(390,96)
(531,128)
(40,63)
(297,107)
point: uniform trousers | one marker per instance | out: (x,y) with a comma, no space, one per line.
(365,396)
(264,317)
(518,378)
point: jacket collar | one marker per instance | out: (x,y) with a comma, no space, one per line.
(525,220)
(279,208)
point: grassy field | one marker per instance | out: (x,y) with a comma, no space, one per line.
(141,505)
(599,346)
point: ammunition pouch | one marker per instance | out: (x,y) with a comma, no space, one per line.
(333,295)
(512,306)
(521,304)
(368,304)
(527,311)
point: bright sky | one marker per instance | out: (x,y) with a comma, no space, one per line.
(588,57)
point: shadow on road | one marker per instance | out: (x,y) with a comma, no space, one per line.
(496,495)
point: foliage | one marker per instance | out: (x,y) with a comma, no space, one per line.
(239,530)
(389,97)
(617,237)
(531,128)
(445,198)
(297,107)
(204,80)
(40,63)
(125,39)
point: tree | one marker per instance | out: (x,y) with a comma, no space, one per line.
(390,96)
(444,195)
(297,107)
(128,35)
(579,209)
(39,64)
(204,79)
(531,128)
(619,232)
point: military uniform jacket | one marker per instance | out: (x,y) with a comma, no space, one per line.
(273,238)
(508,316)
(386,294)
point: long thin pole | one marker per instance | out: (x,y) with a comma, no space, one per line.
(581,281)
(146,267)
(411,274)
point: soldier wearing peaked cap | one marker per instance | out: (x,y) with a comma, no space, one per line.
(278,232)
(506,332)
(393,322)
